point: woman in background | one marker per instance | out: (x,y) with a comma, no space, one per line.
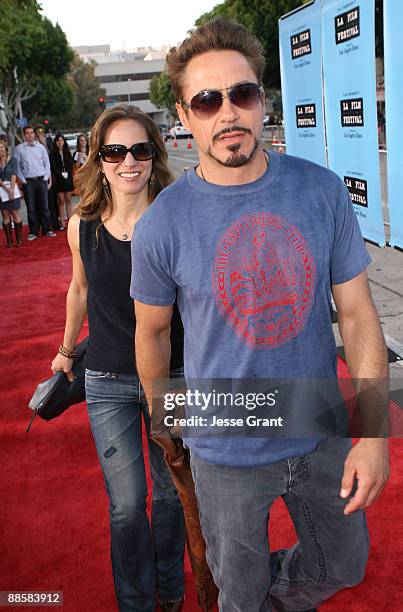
(61,163)
(81,153)
(10,205)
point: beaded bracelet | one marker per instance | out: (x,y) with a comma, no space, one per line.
(70,353)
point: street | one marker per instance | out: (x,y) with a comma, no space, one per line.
(180,157)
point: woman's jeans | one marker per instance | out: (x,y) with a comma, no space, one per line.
(144,559)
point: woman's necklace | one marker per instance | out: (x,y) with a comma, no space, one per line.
(126,232)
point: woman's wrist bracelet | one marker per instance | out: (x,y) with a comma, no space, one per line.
(70,353)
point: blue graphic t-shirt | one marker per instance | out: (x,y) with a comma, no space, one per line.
(253,265)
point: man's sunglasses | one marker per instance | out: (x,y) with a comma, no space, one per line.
(207,103)
(115,153)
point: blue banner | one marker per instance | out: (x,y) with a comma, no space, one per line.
(301,82)
(348,40)
(393,26)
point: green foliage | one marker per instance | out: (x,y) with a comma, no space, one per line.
(53,100)
(34,58)
(260,17)
(161,93)
(21,28)
(52,51)
(86,92)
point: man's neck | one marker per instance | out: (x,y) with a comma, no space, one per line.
(213,172)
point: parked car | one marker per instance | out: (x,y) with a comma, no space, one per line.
(71,139)
(179,131)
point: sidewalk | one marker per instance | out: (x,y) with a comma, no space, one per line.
(386,282)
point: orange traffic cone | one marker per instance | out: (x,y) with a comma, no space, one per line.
(175,145)
(189,144)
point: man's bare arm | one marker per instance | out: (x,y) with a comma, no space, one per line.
(366,356)
(152,345)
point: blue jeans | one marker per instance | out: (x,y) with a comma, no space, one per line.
(234,505)
(144,559)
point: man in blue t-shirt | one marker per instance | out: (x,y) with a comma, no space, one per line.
(256,243)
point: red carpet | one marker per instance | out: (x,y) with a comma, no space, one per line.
(53,516)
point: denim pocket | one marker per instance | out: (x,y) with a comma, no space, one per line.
(95,374)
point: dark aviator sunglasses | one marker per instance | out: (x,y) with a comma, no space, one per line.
(208,102)
(115,153)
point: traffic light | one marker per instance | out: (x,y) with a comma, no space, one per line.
(101,102)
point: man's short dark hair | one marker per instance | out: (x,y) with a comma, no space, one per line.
(219,34)
(27,127)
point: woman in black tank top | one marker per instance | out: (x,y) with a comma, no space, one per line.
(125,170)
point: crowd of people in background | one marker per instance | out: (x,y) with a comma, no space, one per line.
(40,171)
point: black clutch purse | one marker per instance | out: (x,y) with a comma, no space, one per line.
(54,395)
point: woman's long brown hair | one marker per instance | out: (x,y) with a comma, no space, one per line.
(96,198)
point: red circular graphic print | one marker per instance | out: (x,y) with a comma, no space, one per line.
(263,279)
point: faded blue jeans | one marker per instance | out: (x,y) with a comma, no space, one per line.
(144,559)
(234,505)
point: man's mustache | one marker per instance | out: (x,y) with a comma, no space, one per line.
(234,128)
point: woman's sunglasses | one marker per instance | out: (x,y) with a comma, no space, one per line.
(207,103)
(115,153)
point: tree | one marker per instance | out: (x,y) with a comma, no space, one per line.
(86,94)
(32,51)
(52,100)
(260,17)
(161,93)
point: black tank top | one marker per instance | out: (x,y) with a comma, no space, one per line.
(111,319)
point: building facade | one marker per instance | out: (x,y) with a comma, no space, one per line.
(126,76)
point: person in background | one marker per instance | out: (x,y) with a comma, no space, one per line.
(82,149)
(52,200)
(40,136)
(80,154)
(10,205)
(49,139)
(61,163)
(125,170)
(35,169)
